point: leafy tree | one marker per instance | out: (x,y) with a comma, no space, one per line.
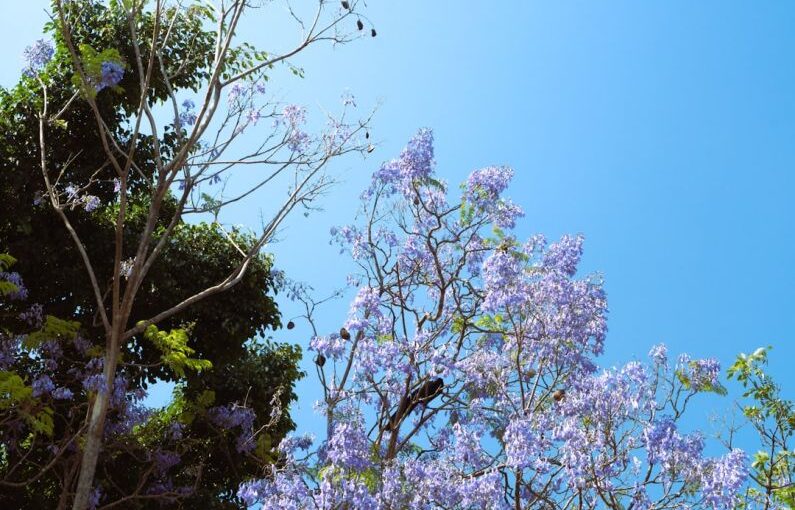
(104,155)
(465,376)
(773,418)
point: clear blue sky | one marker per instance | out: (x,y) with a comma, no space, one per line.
(663,131)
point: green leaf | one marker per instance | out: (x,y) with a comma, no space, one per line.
(6,261)
(175,351)
(52,329)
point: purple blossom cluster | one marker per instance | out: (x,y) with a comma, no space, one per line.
(36,57)
(348,447)
(723,479)
(484,188)
(472,355)
(91,202)
(20,293)
(416,162)
(701,374)
(233,416)
(33,316)
(111,73)
(294,117)
(187,115)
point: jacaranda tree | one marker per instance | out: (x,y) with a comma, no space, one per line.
(122,128)
(465,376)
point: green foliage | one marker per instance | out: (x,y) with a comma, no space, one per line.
(16,396)
(221,326)
(245,56)
(773,417)
(6,287)
(176,353)
(13,390)
(6,261)
(52,329)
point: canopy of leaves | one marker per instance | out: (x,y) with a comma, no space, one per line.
(196,256)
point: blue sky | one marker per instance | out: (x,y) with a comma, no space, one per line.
(663,131)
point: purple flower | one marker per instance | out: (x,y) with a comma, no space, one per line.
(291,443)
(485,185)
(95,380)
(701,374)
(297,140)
(21,292)
(415,164)
(36,56)
(71,191)
(331,346)
(294,115)
(111,73)
(91,202)
(659,353)
(94,498)
(724,478)
(234,416)
(187,117)
(253,116)
(62,393)
(235,92)
(42,385)
(348,447)
(33,316)
(564,255)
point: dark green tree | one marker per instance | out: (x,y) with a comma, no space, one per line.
(101,162)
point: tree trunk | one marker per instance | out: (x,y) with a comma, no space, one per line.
(93,442)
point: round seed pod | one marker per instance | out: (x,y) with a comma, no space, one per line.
(344,334)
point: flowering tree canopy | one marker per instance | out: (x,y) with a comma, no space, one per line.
(465,373)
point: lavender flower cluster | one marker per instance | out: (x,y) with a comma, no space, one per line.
(465,375)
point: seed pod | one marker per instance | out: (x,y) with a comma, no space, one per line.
(345,5)
(416,201)
(367,134)
(320,360)
(344,334)
(359,24)
(372,33)
(558,395)
(290,325)
(531,373)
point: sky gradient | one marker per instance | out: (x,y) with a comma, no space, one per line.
(662,131)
